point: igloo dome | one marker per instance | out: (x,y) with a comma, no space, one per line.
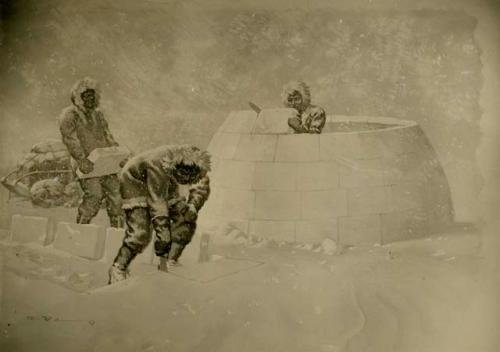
(364,180)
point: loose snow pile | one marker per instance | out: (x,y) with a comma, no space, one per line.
(231,235)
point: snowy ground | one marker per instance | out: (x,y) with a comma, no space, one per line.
(424,295)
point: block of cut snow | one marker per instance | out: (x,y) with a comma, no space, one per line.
(240,121)
(274,121)
(31,229)
(298,148)
(114,239)
(106,161)
(85,241)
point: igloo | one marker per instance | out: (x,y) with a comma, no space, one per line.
(364,180)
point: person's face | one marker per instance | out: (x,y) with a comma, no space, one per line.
(89,99)
(295,101)
(187,175)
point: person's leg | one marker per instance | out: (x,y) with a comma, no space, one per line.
(182,233)
(111,192)
(91,201)
(137,238)
(163,241)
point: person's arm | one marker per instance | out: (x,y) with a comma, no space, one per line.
(199,193)
(157,184)
(295,123)
(318,120)
(107,133)
(67,127)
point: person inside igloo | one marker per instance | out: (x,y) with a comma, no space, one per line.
(309,118)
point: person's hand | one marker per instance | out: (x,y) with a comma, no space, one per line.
(296,124)
(123,162)
(180,205)
(161,225)
(86,166)
(191,214)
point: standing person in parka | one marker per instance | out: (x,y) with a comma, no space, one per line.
(150,185)
(83,128)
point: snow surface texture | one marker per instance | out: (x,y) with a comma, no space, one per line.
(382,298)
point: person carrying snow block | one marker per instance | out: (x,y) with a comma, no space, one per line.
(83,129)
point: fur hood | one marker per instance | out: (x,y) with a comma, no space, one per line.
(80,87)
(296,86)
(188,155)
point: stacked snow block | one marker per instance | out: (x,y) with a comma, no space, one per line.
(90,241)
(364,180)
(59,214)
(85,241)
(31,229)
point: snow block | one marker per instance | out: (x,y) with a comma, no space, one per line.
(230,203)
(369,200)
(241,121)
(404,168)
(224,145)
(298,148)
(407,196)
(114,238)
(362,173)
(31,229)
(340,146)
(277,205)
(372,146)
(317,176)
(318,205)
(405,140)
(233,174)
(274,121)
(106,161)
(55,215)
(85,241)
(275,176)
(258,147)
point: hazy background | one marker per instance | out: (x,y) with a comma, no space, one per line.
(172,70)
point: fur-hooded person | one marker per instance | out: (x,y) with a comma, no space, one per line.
(309,118)
(83,128)
(150,185)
